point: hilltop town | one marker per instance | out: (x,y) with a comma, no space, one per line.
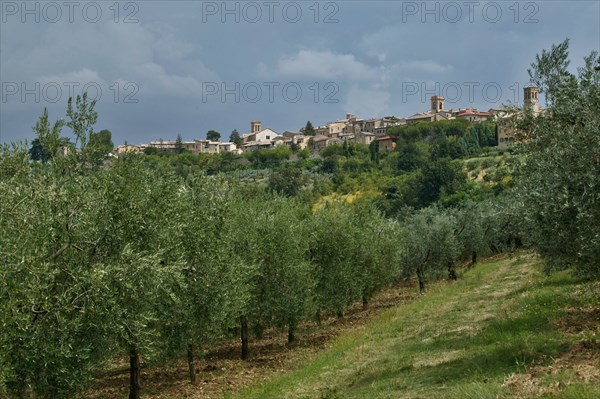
(351,129)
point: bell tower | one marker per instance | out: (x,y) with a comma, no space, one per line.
(255,126)
(437,104)
(530,101)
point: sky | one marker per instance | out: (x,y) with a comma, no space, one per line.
(162,68)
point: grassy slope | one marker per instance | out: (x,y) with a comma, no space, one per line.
(504,330)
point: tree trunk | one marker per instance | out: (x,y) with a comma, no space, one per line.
(473,258)
(134,374)
(451,272)
(421,278)
(365,301)
(258,330)
(339,314)
(244,336)
(190,356)
(318,318)
(291,331)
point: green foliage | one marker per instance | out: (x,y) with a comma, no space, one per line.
(179,145)
(558,179)
(409,157)
(48,141)
(266,157)
(150,150)
(309,130)
(377,254)
(435,181)
(102,142)
(274,244)
(213,135)
(456,138)
(346,149)
(374,151)
(364,259)
(430,244)
(52,297)
(286,181)
(440,177)
(81,121)
(235,138)
(201,241)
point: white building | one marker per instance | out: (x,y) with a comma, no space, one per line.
(258,137)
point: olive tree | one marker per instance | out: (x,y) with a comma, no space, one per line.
(53,333)
(558,179)
(430,244)
(201,242)
(271,240)
(377,251)
(333,241)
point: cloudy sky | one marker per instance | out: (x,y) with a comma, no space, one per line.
(162,68)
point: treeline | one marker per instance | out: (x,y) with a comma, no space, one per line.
(455,138)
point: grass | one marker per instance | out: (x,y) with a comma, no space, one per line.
(504,330)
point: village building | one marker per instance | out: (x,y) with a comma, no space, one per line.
(505,118)
(387,143)
(258,138)
(163,145)
(127,149)
(473,115)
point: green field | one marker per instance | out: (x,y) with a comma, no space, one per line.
(504,330)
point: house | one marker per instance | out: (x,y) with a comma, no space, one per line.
(319,141)
(342,127)
(163,145)
(291,134)
(295,138)
(229,147)
(280,140)
(472,115)
(257,145)
(380,126)
(193,147)
(387,143)
(127,149)
(262,135)
(364,138)
(202,147)
(258,137)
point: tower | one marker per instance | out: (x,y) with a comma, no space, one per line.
(255,126)
(530,95)
(437,104)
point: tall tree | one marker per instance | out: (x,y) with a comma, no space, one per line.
(235,138)
(37,151)
(179,145)
(102,142)
(309,130)
(213,135)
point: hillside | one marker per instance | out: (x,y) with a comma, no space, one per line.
(505,329)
